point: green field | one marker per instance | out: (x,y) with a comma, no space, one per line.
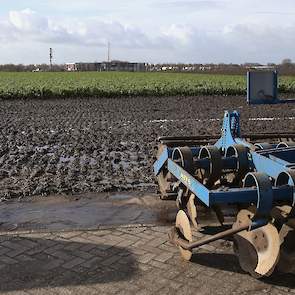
(118,84)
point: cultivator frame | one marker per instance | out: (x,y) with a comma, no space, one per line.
(255,172)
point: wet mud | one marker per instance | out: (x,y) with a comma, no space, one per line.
(87,211)
(93,210)
(74,146)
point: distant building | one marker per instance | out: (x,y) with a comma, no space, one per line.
(88,67)
(70,67)
(106,66)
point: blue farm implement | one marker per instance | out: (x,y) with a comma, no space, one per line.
(255,174)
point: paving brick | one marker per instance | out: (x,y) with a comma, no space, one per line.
(122,261)
(8,260)
(54,248)
(163,257)
(125,243)
(72,263)
(102,232)
(92,263)
(69,235)
(129,237)
(158,264)
(15,252)
(146,258)
(168,248)
(152,249)
(27,243)
(24,258)
(88,247)
(53,264)
(93,238)
(4,250)
(36,250)
(63,255)
(158,241)
(137,251)
(133,230)
(116,233)
(109,261)
(82,254)
(145,236)
(13,245)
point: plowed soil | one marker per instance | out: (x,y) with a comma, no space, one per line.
(94,145)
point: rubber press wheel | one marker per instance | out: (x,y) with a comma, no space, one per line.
(184,230)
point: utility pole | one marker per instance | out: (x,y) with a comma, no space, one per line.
(50,57)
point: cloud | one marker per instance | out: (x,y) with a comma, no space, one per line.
(30,26)
(276,13)
(28,20)
(178,33)
(198,4)
(173,41)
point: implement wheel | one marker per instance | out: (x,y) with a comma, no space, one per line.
(257,250)
(285,220)
(241,153)
(183,227)
(287,254)
(210,175)
(164,180)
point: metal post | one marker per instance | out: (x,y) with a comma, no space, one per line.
(50,57)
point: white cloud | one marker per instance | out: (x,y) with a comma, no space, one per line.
(179,33)
(217,35)
(30,26)
(28,20)
(197,4)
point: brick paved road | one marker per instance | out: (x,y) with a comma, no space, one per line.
(122,260)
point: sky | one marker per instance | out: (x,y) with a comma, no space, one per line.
(154,31)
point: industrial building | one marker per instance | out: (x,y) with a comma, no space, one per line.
(107,66)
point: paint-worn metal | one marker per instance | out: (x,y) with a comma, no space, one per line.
(254,170)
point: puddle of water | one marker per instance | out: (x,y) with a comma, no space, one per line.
(86,212)
(90,211)
(119,197)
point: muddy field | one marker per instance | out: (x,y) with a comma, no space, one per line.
(94,145)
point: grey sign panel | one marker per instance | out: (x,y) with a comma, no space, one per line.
(261,87)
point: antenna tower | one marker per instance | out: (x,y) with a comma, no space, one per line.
(50,57)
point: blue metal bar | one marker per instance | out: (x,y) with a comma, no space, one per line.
(287,153)
(230,196)
(167,153)
(189,181)
(278,160)
(248,195)
(161,161)
(267,165)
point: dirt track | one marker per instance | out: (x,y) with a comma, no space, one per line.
(74,146)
